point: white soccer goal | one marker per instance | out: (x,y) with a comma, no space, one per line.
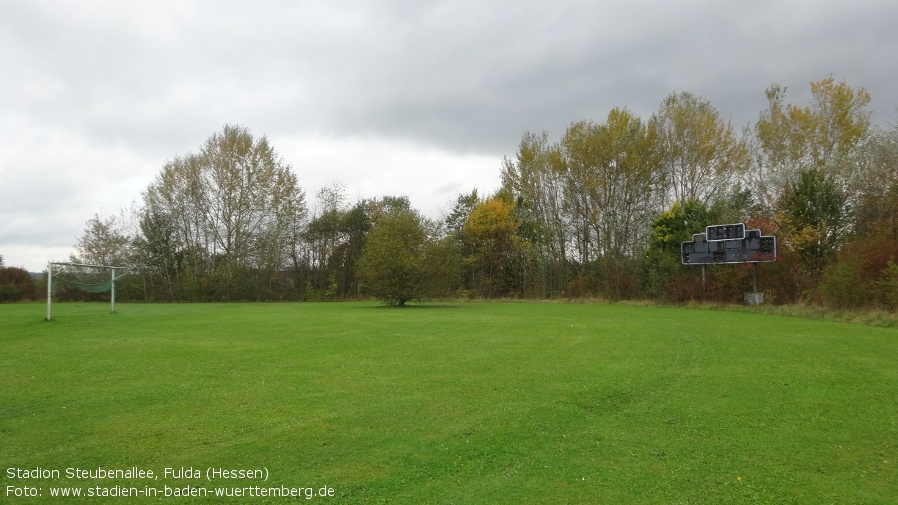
(90,278)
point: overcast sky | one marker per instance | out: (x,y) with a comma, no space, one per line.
(417,98)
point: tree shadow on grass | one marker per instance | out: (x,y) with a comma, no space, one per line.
(415,306)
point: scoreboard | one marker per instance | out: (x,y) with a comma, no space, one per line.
(728,243)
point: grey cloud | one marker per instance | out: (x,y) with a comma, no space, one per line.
(116,88)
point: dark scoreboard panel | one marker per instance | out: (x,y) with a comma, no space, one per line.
(725,231)
(732,243)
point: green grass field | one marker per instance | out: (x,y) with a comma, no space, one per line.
(464,403)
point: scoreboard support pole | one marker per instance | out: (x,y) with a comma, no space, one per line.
(754,277)
(703,282)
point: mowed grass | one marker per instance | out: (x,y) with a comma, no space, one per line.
(464,403)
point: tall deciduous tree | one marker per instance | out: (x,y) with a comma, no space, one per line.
(538,190)
(160,257)
(325,239)
(700,153)
(491,230)
(230,208)
(461,209)
(612,183)
(442,262)
(813,218)
(876,199)
(820,136)
(103,243)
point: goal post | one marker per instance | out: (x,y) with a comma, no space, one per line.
(94,284)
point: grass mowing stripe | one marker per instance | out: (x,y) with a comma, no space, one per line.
(467,403)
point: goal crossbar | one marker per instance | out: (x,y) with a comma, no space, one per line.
(112,269)
(86,266)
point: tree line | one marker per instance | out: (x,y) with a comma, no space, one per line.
(599,212)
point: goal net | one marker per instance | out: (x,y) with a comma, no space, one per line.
(88,278)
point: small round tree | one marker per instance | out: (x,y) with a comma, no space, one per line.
(392,264)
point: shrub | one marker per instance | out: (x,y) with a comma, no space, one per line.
(17,284)
(9,293)
(890,285)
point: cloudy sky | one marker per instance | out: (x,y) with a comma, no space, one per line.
(390,97)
